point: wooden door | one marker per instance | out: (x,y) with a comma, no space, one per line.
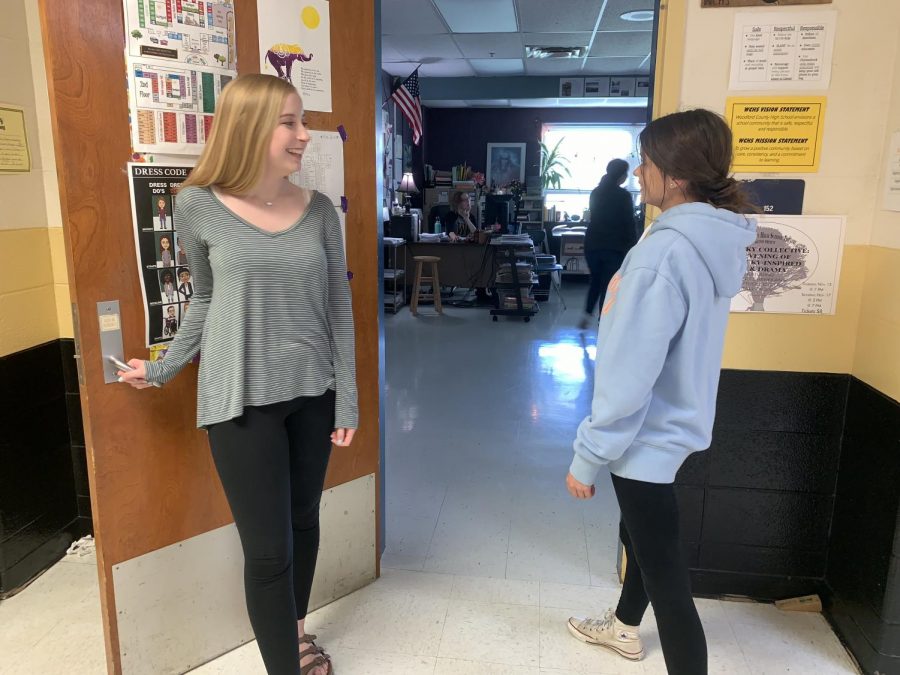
(153,485)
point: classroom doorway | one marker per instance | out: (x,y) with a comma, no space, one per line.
(480,416)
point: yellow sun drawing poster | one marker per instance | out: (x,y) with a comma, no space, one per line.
(295,45)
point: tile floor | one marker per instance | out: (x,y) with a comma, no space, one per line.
(486,555)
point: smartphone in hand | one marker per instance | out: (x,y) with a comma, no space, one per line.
(121,365)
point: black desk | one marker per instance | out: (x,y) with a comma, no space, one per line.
(466,265)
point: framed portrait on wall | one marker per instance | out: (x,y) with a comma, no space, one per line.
(505,163)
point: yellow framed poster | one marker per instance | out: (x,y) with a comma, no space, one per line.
(776,134)
(14,155)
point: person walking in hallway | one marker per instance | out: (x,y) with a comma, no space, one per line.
(610,234)
(277,385)
(659,354)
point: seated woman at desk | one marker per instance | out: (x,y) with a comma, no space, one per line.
(457,223)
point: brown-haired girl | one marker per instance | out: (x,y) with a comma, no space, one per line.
(659,353)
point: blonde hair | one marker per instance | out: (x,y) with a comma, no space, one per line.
(246,115)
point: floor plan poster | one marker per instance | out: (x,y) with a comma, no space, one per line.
(323,170)
(182,31)
(295,45)
(172,105)
(162,262)
(180,54)
(794,266)
(323,165)
(782,50)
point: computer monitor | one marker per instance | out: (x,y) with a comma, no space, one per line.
(499,209)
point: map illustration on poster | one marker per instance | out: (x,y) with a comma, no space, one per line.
(794,266)
(172,107)
(180,55)
(182,31)
(166,282)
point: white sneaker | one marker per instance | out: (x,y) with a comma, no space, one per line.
(608,632)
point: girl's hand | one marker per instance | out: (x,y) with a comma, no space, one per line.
(137,378)
(579,490)
(342,437)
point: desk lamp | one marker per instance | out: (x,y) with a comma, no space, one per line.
(407,187)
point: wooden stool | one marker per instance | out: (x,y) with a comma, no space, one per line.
(435,295)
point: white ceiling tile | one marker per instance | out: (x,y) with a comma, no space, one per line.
(389,52)
(421,47)
(579,39)
(498,66)
(448,68)
(615,66)
(560,67)
(410,17)
(635,43)
(615,8)
(540,16)
(399,69)
(480,45)
(479,16)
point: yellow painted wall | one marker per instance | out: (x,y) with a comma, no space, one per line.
(34,291)
(877,358)
(862,105)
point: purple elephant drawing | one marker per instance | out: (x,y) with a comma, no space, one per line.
(282,58)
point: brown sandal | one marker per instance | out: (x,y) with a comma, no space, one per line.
(322,658)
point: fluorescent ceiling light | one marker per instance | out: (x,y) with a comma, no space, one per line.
(638,15)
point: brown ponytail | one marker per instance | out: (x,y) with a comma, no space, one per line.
(695,146)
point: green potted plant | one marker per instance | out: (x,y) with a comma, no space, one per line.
(553,166)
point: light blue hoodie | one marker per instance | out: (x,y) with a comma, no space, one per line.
(659,350)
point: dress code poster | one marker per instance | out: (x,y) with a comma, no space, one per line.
(166,279)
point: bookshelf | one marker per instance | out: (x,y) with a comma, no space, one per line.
(530,211)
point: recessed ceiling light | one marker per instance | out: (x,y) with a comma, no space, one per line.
(638,15)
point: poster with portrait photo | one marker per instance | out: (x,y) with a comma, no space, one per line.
(150,183)
(164,321)
(168,287)
(505,163)
(161,212)
(181,259)
(184,283)
(165,249)
(169,315)
(183,308)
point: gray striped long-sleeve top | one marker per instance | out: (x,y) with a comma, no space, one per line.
(270,314)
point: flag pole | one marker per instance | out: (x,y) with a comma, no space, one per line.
(394,88)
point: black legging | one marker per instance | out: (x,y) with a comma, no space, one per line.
(272,462)
(657,568)
(603,264)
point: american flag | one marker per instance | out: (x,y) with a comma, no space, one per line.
(406,96)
